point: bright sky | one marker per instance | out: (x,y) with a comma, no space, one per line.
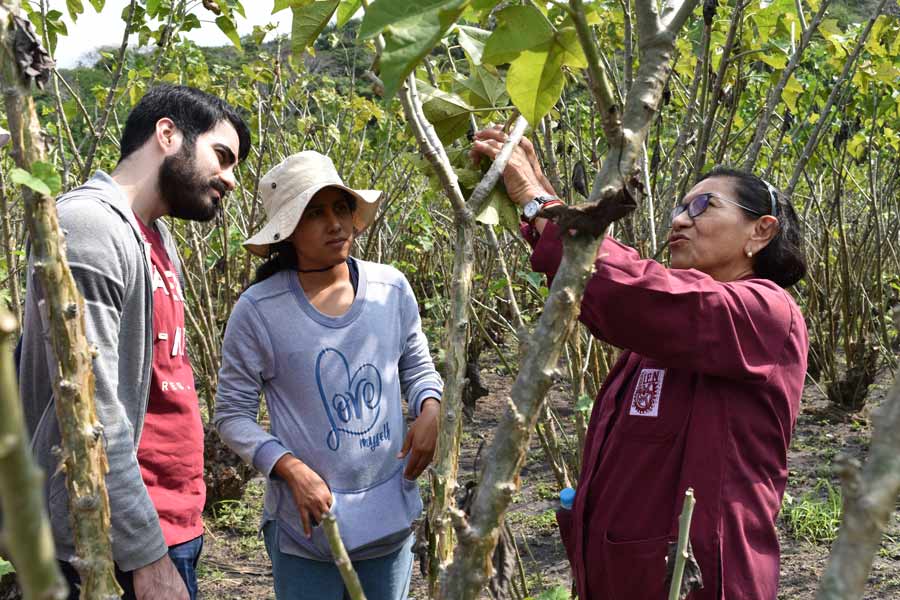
(94,30)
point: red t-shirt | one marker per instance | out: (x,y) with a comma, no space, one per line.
(170,452)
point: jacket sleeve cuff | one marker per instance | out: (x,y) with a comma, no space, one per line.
(150,549)
(267,455)
(423,395)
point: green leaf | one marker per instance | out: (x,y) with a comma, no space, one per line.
(472,40)
(152,7)
(792,91)
(776,61)
(229,29)
(43,179)
(557,593)
(6,567)
(833,34)
(309,21)
(190,22)
(535,81)
(573,53)
(521,28)
(584,403)
(500,210)
(281,5)
(411,30)
(857,145)
(486,89)
(346,11)
(447,112)
(98,4)
(75,8)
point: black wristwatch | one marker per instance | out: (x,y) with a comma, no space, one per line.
(534,206)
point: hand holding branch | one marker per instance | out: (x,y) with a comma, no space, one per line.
(523,177)
(311,494)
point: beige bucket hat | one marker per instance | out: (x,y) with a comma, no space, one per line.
(289,186)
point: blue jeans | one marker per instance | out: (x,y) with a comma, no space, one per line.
(185,557)
(296,578)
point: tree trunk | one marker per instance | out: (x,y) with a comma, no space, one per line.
(84,457)
(27,535)
(614,190)
(870,497)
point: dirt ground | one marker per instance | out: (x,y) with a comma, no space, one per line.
(235,564)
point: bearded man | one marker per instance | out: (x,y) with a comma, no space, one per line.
(179,150)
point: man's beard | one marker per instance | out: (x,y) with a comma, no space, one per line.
(184,190)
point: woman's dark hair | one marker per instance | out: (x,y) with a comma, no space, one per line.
(782,260)
(283,256)
(194,112)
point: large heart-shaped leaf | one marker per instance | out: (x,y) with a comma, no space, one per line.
(448,112)
(411,30)
(346,11)
(309,21)
(484,88)
(535,80)
(520,28)
(228,27)
(472,40)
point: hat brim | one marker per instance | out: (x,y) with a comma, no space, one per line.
(282,224)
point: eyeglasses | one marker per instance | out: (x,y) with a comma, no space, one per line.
(699,203)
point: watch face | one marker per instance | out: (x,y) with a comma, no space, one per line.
(531,209)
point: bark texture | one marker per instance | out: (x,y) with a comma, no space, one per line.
(615,188)
(27,535)
(84,457)
(342,559)
(870,498)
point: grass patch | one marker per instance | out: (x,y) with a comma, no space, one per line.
(557,593)
(540,523)
(239,516)
(815,516)
(546,491)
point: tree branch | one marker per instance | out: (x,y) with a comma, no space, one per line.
(675,14)
(837,87)
(598,80)
(84,456)
(341,559)
(478,534)
(870,496)
(482,191)
(111,95)
(774,95)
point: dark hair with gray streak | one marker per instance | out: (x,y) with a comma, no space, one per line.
(782,260)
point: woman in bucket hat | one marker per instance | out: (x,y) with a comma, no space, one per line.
(332,341)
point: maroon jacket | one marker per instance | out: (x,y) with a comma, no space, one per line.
(705,395)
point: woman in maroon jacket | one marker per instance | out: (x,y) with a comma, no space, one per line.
(705,395)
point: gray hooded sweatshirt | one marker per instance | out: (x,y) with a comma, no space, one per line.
(111,268)
(332,387)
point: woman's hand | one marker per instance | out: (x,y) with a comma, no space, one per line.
(421,439)
(311,494)
(523,176)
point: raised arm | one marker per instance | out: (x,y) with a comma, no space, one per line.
(680,317)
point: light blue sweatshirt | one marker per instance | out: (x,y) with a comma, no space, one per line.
(332,387)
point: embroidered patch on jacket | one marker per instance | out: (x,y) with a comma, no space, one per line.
(645,402)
